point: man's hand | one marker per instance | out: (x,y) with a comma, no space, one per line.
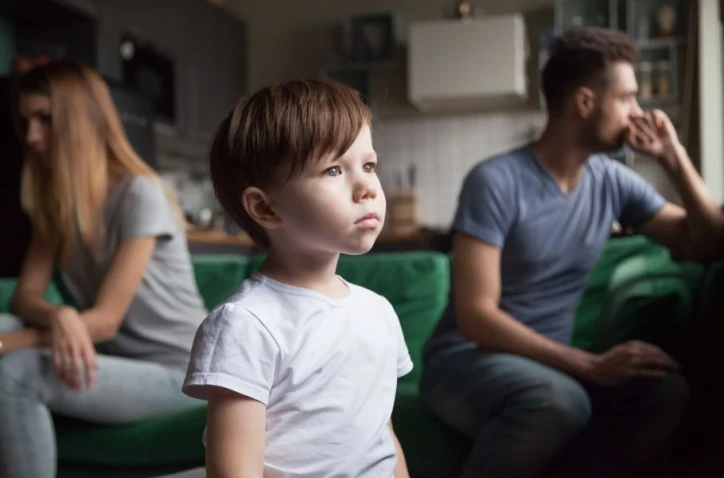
(654,135)
(630,360)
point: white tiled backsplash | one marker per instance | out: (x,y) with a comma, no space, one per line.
(443,149)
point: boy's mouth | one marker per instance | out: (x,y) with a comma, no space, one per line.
(369,220)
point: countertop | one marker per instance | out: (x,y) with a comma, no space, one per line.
(215,236)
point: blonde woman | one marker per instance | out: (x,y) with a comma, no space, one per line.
(103,218)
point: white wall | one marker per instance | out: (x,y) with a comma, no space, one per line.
(712,99)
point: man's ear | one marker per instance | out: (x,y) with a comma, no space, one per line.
(256,203)
(584,100)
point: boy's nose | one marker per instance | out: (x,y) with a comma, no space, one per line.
(365,189)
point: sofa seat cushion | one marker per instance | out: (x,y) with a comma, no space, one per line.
(173,439)
(432,449)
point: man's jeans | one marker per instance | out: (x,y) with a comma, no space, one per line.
(526,418)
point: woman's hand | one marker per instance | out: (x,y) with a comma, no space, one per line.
(74,355)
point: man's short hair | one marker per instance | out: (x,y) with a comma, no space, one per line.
(288,124)
(581,57)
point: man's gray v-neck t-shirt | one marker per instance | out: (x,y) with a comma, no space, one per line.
(550,241)
(167,308)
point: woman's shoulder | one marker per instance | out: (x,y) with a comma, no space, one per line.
(143,189)
(140,183)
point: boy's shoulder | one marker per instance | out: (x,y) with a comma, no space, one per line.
(362,292)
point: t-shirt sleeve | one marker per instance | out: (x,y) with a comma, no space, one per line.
(638,200)
(146,212)
(404,362)
(485,206)
(233,350)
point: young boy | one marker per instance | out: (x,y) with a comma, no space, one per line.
(300,367)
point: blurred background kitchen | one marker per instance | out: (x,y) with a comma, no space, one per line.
(450,82)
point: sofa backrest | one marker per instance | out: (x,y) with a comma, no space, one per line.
(636,291)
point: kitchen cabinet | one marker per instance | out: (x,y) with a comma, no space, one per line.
(208,46)
(458,65)
(658,27)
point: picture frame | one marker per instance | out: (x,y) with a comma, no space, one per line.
(371,38)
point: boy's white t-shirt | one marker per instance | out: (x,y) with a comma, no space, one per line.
(325,368)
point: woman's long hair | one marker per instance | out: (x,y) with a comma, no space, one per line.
(88,147)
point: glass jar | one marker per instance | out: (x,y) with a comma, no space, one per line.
(645,79)
(662,79)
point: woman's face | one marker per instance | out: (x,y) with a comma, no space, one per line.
(36,122)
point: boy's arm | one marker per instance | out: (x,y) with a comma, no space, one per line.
(235,435)
(401,467)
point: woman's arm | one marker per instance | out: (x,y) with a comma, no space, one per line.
(235,436)
(28,302)
(23,339)
(118,288)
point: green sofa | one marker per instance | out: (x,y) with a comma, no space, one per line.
(635,291)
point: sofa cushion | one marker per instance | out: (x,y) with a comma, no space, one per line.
(170,440)
(218,275)
(636,291)
(432,449)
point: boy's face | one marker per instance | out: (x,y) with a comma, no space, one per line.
(333,205)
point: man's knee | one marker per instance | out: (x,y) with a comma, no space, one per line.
(671,397)
(558,404)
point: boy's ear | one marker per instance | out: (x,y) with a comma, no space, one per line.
(256,203)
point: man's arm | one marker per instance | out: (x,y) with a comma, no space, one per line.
(235,435)
(401,466)
(692,232)
(480,319)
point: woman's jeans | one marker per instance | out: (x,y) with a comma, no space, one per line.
(124,391)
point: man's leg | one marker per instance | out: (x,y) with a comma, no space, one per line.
(631,425)
(124,391)
(519,413)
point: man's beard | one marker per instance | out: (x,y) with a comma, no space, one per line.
(601,145)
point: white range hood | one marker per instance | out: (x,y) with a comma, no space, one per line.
(477,64)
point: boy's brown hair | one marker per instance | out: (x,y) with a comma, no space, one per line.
(288,124)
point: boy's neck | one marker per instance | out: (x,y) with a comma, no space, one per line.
(308,271)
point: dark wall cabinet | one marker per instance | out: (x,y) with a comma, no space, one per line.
(207,43)
(208,46)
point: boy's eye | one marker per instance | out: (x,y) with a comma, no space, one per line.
(370,167)
(333,171)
